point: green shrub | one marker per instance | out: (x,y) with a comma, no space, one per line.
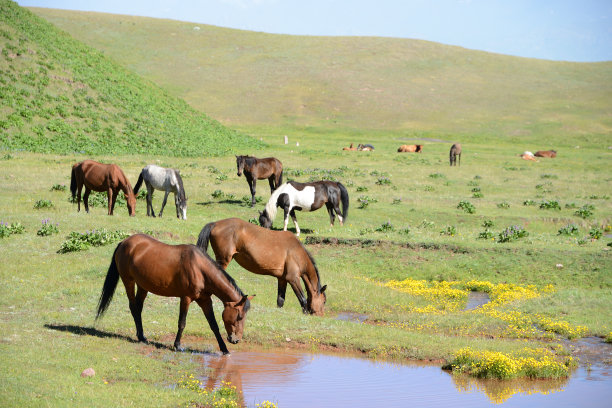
(467,207)
(81,241)
(7,229)
(550,205)
(42,204)
(586,211)
(569,230)
(512,233)
(48,228)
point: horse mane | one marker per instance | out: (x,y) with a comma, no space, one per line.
(271,207)
(249,160)
(179,180)
(315,267)
(218,266)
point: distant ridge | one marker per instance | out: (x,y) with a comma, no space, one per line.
(252,79)
(59,95)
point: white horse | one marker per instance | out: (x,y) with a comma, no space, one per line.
(160,178)
(293,196)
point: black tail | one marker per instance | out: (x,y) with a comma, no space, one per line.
(344,197)
(110,283)
(204,236)
(73,183)
(280,180)
(138,184)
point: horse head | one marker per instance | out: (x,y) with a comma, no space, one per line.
(264,219)
(234,315)
(316,304)
(240,164)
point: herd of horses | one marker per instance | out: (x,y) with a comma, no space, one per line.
(145,264)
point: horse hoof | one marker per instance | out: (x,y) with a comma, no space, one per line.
(178,347)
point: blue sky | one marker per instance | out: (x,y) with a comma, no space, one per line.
(570,30)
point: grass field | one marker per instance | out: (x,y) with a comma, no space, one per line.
(419,236)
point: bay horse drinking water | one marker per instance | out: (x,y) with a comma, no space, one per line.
(258,169)
(455,151)
(181,271)
(168,180)
(293,196)
(264,252)
(101,177)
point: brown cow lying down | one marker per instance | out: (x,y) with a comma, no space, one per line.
(546,153)
(410,148)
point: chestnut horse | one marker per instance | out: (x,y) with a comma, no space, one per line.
(101,177)
(410,149)
(264,252)
(293,196)
(455,151)
(546,153)
(349,148)
(178,271)
(258,169)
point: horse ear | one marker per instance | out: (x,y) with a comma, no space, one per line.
(323,288)
(250,297)
(260,213)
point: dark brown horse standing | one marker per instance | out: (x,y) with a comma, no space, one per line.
(101,177)
(265,252)
(455,151)
(258,169)
(176,271)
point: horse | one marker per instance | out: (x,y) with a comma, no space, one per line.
(258,169)
(455,151)
(365,147)
(527,155)
(101,177)
(182,271)
(410,149)
(168,180)
(265,252)
(546,153)
(293,196)
(349,148)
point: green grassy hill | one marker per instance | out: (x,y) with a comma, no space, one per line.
(59,95)
(250,79)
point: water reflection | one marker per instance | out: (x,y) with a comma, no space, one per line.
(294,379)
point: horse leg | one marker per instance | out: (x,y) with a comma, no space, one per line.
(136,304)
(330,210)
(185,301)
(86,199)
(294,218)
(206,305)
(272,180)
(282,289)
(460,159)
(79,189)
(161,212)
(176,204)
(150,211)
(252,184)
(112,198)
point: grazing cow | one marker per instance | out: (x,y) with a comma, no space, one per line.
(546,153)
(455,151)
(410,149)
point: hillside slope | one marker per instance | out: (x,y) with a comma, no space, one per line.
(249,78)
(59,95)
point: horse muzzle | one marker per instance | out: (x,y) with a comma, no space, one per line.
(233,339)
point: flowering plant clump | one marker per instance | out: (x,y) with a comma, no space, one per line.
(382,181)
(512,233)
(595,232)
(569,230)
(364,201)
(48,228)
(7,229)
(226,396)
(58,187)
(386,227)
(43,204)
(449,230)
(550,205)
(532,363)
(529,202)
(81,241)
(504,205)
(585,211)
(608,338)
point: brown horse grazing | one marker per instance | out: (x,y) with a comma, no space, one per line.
(178,271)
(258,169)
(546,153)
(101,177)
(455,151)
(265,252)
(410,149)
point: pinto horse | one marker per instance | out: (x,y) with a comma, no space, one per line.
(168,180)
(101,177)
(455,151)
(410,149)
(178,271)
(264,252)
(546,153)
(258,169)
(293,196)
